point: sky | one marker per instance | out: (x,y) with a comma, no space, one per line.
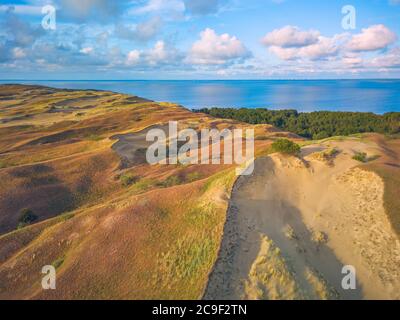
(199,39)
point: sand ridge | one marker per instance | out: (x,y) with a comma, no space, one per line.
(295,223)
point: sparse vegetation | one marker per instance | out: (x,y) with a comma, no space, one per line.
(286,146)
(94,137)
(319,237)
(171,181)
(128,179)
(326,156)
(27,217)
(193,176)
(360,156)
(58,263)
(289,233)
(331,152)
(183,227)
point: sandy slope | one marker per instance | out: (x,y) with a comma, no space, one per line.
(294,224)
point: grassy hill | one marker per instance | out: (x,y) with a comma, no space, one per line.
(112,231)
(112,228)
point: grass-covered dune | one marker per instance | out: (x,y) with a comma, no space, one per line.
(117,229)
(112,229)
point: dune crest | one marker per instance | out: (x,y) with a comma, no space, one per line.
(316,215)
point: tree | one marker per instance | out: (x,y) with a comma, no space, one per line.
(286,146)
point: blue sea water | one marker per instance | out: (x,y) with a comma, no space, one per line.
(378,96)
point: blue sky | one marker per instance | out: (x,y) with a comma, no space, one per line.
(200,39)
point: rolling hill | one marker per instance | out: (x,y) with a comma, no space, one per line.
(116,227)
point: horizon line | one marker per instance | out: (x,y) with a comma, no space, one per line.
(293,79)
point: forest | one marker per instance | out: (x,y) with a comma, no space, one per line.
(313,125)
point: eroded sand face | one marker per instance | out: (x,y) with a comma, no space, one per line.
(294,224)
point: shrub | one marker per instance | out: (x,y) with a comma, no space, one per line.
(286,146)
(171,181)
(360,156)
(191,177)
(26,218)
(58,263)
(128,180)
(331,152)
(319,237)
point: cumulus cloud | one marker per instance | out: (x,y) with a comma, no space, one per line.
(291,43)
(389,60)
(371,39)
(214,49)
(290,36)
(162,53)
(352,59)
(133,57)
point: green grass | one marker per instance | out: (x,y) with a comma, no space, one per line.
(58,262)
(193,176)
(188,257)
(360,156)
(128,179)
(94,137)
(170,182)
(143,185)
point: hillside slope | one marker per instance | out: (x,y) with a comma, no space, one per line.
(117,228)
(114,228)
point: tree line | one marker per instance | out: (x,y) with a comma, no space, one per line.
(313,125)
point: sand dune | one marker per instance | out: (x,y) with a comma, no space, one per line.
(294,224)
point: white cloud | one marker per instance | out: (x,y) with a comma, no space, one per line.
(290,36)
(86,50)
(214,49)
(141,32)
(352,59)
(389,60)
(161,5)
(133,57)
(161,53)
(371,39)
(19,53)
(290,43)
(148,29)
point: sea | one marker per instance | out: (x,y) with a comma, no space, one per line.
(377,96)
